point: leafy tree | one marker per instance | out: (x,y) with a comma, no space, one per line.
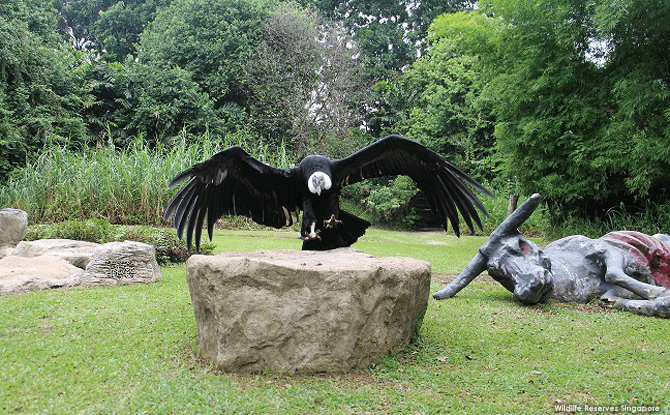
(393,102)
(447,114)
(165,101)
(40,17)
(577,117)
(110,98)
(188,72)
(77,18)
(111,27)
(305,84)
(282,74)
(548,101)
(438,99)
(390,34)
(40,95)
(437,102)
(210,39)
(636,59)
(118,28)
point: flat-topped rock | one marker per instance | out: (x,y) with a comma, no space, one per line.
(305,311)
(77,253)
(18,274)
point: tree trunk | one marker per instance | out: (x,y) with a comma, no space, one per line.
(513,200)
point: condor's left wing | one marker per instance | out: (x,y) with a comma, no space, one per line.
(443,183)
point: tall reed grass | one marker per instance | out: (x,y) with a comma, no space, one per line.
(123,185)
(129,186)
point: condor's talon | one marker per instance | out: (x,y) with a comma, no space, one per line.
(313,233)
(332,222)
(311,236)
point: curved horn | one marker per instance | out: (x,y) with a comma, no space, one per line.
(512,222)
(474,268)
(478,263)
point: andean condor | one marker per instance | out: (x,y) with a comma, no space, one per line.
(232,182)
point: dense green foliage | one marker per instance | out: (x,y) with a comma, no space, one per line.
(210,41)
(577,117)
(107,25)
(40,95)
(390,34)
(567,98)
(438,103)
(304,84)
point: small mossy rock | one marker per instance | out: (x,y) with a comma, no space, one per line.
(305,311)
(13,228)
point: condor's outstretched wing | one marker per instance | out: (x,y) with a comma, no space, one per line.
(443,183)
(233,183)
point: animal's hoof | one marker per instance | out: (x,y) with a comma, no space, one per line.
(332,222)
(608,301)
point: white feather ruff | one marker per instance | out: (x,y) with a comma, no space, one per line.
(318,181)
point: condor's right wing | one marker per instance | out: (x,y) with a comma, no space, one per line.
(232,182)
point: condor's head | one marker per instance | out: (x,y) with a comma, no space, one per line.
(317,171)
(318,182)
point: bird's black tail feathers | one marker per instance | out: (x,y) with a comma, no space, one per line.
(354,227)
(343,235)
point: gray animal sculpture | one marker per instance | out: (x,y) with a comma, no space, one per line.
(627,270)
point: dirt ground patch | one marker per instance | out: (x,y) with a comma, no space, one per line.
(447,278)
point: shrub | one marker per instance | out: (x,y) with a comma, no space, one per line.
(651,218)
(383,201)
(390,204)
(92,230)
(169,249)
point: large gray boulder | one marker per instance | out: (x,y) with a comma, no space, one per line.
(13,228)
(77,253)
(305,311)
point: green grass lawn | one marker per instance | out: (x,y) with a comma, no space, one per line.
(133,349)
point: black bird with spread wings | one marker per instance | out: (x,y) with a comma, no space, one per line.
(232,182)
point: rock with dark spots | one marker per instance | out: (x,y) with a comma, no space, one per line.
(110,264)
(122,263)
(305,311)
